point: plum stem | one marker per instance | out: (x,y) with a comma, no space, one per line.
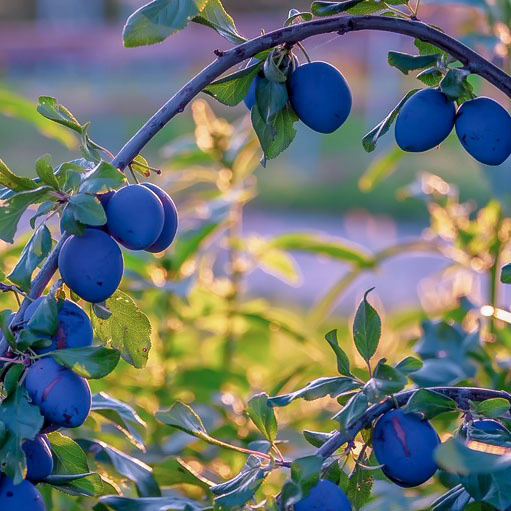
(460,394)
(292,34)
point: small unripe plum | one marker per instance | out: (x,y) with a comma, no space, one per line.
(63,397)
(91,265)
(74,328)
(320,96)
(22,497)
(39,458)
(404,443)
(424,121)
(484,129)
(135,217)
(325,496)
(170,221)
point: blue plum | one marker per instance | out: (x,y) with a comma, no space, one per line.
(135,217)
(424,121)
(74,328)
(490,426)
(404,443)
(104,198)
(63,397)
(39,458)
(91,265)
(22,497)
(250,98)
(484,130)
(325,496)
(170,222)
(320,96)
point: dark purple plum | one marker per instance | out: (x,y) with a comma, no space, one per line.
(22,497)
(404,444)
(170,222)
(91,265)
(63,397)
(135,217)
(39,458)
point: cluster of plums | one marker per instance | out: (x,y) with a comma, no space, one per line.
(482,125)
(319,95)
(63,397)
(139,217)
(403,443)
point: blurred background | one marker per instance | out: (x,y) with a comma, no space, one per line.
(72,50)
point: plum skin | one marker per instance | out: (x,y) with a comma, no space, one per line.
(325,496)
(320,96)
(135,217)
(484,129)
(63,397)
(39,458)
(74,329)
(424,121)
(404,443)
(22,497)
(91,265)
(170,222)
(489,426)
(250,98)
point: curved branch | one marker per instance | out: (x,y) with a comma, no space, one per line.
(472,61)
(288,36)
(460,394)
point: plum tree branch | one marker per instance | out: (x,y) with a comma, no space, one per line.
(461,395)
(289,36)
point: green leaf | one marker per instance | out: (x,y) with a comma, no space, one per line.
(43,209)
(454,456)
(352,410)
(34,252)
(70,459)
(491,408)
(103,178)
(431,76)
(232,89)
(380,168)
(87,209)
(215,16)
(139,164)
(360,484)
(263,416)
(157,20)
(317,389)
(50,108)
(369,141)
(321,8)
(296,16)
(12,104)
(505,274)
(271,98)
(239,490)
(405,62)
(313,244)
(276,137)
(174,471)
(91,362)
(429,403)
(127,330)
(385,381)
(343,362)
(316,438)
(13,208)
(14,182)
(409,365)
(21,420)
(123,416)
(426,48)
(131,468)
(183,417)
(456,499)
(150,504)
(45,171)
(455,85)
(306,471)
(279,264)
(5,318)
(366,329)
